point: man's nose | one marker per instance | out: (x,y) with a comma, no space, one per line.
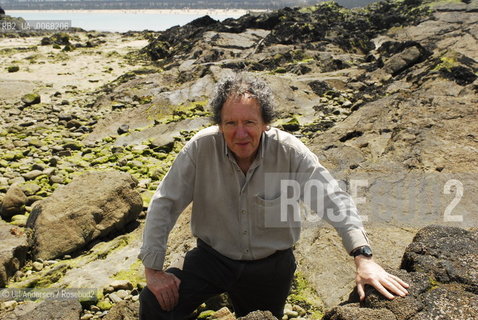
(241,131)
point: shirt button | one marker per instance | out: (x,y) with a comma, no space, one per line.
(244,232)
(243,211)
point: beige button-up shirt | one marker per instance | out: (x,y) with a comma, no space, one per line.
(247,216)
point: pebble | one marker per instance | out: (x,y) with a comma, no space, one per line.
(299,309)
(122,294)
(86,316)
(291,313)
(114,298)
(37,266)
(94,308)
(108,289)
(32,174)
(121,284)
(10,305)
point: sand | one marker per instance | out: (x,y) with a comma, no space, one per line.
(46,70)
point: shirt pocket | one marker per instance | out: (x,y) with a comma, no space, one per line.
(276,213)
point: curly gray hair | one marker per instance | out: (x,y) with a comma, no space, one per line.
(238,85)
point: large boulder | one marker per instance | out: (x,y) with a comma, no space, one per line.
(93,205)
(449,254)
(13,202)
(13,251)
(435,251)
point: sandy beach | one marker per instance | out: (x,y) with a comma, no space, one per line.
(46,70)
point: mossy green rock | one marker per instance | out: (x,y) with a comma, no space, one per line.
(104,305)
(13,69)
(291,125)
(31,98)
(206,314)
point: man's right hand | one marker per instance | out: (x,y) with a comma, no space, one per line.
(165,286)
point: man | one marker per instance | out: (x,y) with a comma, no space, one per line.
(242,215)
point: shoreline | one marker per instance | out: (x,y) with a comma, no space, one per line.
(147,11)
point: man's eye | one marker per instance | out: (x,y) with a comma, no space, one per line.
(250,123)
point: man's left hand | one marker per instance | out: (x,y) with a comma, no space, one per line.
(369,272)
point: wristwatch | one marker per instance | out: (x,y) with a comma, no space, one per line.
(363,250)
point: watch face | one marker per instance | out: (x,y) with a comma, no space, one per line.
(367,251)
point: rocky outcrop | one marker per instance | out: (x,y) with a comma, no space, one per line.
(13,251)
(448,254)
(55,309)
(434,294)
(93,205)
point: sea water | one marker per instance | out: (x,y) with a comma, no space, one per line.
(125,20)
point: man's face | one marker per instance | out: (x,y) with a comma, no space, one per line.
(242,126)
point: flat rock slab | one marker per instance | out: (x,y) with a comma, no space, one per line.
(50,309)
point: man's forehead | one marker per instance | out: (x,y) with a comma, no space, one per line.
(238,97)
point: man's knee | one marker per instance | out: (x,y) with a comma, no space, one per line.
(149,306)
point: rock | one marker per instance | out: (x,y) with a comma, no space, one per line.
(291,125)
(429,298)
(124,128)
(223,314)
(121,285)
(448,302)
(13,202)
(94,204)
(37,266)
(258,315)
(9,305)
(32,174)
(352,312)
(114,298)
(73,124)
(46,41)
(104,305)
(12,69)
(50,309)
(19,220)
(122,294)
(125,310)
(31,98)
(13,251)
(450,254)
(405,59)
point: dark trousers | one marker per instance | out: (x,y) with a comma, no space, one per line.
(251,285)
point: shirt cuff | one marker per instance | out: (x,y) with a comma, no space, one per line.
(152,259)
(354,238)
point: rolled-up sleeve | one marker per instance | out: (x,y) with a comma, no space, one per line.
(331,203)
(172,196)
